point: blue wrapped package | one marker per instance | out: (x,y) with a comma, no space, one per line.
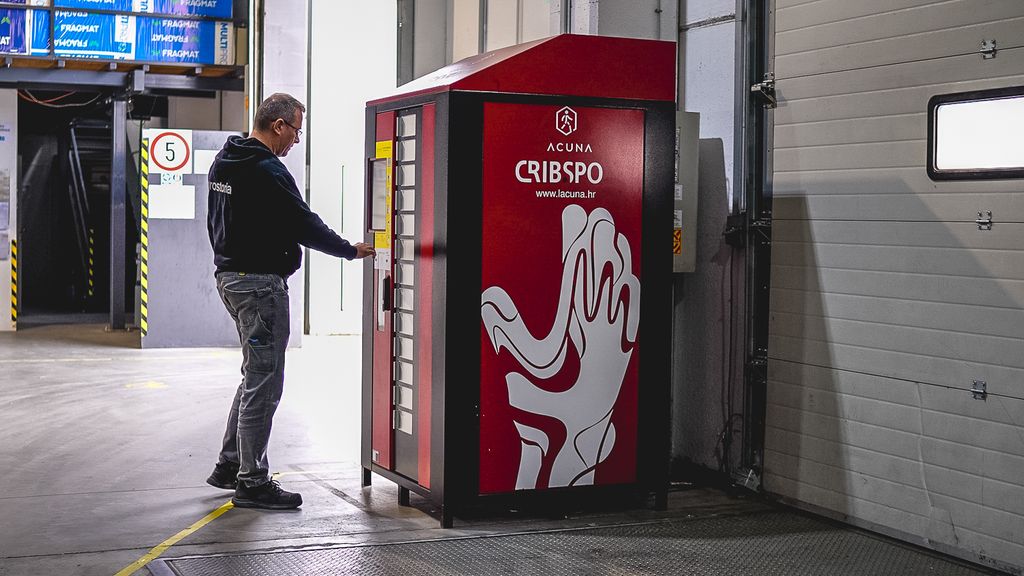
(13,38)
(209,8)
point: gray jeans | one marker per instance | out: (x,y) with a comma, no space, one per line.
(258,303)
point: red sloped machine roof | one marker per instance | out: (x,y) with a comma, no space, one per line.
(565,65)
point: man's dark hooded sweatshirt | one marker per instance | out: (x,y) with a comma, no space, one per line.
(257,218)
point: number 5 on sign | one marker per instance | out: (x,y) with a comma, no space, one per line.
(170,151)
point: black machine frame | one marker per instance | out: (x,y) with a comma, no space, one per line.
(454,482)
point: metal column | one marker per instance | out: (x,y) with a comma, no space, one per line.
(759,99)
(118,193)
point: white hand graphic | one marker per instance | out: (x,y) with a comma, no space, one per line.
(599,310)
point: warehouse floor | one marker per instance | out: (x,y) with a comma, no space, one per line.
(106,448)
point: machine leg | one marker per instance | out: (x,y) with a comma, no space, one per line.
(661,499)
(447,519)
(367,477)
(403,496)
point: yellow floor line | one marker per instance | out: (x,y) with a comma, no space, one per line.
(156,552)
(166,544)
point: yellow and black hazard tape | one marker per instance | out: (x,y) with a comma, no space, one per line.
(92,262)
(144,263)
(14,281)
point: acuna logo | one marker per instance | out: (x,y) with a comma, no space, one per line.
(566,121)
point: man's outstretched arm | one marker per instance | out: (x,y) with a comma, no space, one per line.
(309,229)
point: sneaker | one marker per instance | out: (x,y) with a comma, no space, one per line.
(224,476)
(269,496)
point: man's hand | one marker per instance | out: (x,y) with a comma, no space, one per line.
(363,250)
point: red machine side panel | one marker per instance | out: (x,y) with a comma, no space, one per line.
(562,225)
(381,441)
(386,126)
(425,300)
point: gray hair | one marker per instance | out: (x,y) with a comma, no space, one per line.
(276,106)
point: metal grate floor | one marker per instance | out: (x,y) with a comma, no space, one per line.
(775,543)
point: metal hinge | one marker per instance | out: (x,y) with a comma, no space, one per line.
(758,363)
(766,90)
(980,390)
(984,220)
(988,49)
(761,232)
(735,232)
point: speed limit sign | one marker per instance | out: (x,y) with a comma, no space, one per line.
(170,151)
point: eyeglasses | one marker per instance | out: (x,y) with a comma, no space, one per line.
(298,131)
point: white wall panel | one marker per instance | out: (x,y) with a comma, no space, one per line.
(938,43)
(794,14)
(900,312)
(888,302)
(995,264)
(868,511)
(952,372)
(852,131)
(1006,236)
(887,102)
(794,186)
(991,464)
(893,23)
(851,482)
(898,205)
(285,52)
(940,72)
(337,159)
(872,411)
(923,287)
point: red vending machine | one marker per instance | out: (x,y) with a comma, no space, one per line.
(517,322)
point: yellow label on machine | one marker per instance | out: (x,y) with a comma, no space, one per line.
(385,150)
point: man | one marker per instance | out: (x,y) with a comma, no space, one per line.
(257,219)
